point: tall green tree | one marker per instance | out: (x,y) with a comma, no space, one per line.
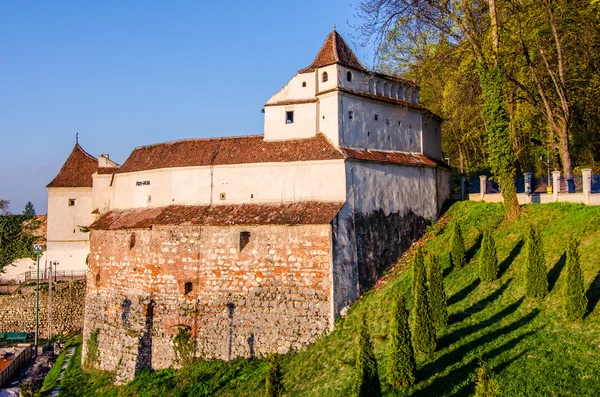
(15,239)
(574,301)
(457,246)
(423,329)
(401,363)
(29,211)
(536,275)
(437,292)
(366,377)
(488,259)
(274,379)
(419,262)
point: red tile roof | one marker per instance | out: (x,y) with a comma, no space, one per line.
(108,170)
(306,213)
(383,156)
(77,170)
(228,150)
(334,50)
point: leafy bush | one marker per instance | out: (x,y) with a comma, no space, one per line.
(437,292)
(574,301)
(92,355)
(536,278)
(488,259)
(184,345)
(485,383)
(274,380)
(401,357)
(457,247)
(366,377)
(423,331)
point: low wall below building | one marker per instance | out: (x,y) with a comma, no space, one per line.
(17,311)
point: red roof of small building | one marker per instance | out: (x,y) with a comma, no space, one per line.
(385,156)
(228,150)
(77,170)
(306,213)
(334,50)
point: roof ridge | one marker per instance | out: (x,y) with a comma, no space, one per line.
(216,138)
(77,145)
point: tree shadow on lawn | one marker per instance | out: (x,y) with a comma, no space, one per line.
(470,254)
(478,306)
(593,294)
(445,384)
(455,336)
(463,293)
(554,273)
(504,265)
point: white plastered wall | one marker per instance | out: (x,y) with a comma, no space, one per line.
(303,126)
(432,136)
(240,183)
(66,243)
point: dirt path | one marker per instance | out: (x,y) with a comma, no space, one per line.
(68,356)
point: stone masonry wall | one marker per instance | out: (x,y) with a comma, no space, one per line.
(273,295)
(17,311)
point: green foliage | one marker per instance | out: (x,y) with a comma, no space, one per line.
(485,383)
(536,277)
(29,211)
(401,365)
(15,238)
(274,379)
(418,263)
(92,356)
(457,247)
(501,154)
(437,292)
(366,378)
(184,345)
(574,301)
(488,259)
(423,330)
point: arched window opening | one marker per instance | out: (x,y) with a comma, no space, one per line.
(97,279)
(304,84)
(371,87)
(349,76)
(386,91)
(188,287)
(393,91)
(325,77)
(378,88)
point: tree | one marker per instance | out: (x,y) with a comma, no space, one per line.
(485,383)
(423,330)
(536,278)
(437,293)
(488,259)
(366,378)
(274,379)
(574,302)
(457,247)
(29,211)
(401,366)
(4,207)
(418,263)
(15,240)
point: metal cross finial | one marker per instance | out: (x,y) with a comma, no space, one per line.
(77,138)
(334,26)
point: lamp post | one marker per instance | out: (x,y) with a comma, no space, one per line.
(55,269)
(37,248)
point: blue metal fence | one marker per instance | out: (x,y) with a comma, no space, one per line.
(595,182)
(492,187)
(520,185)
(474,186)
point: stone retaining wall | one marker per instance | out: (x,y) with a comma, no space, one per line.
(17,311)
(252,291)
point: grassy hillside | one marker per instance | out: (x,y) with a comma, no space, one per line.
(533,351)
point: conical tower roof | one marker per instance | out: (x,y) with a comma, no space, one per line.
(334,50)
(77,171)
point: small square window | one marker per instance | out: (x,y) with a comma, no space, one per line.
(387,122)
(72,202)
(289,117)
(350,115)
(400,123)
(188,288)
(244,239)
(304,84)
(222,196)
(376,117)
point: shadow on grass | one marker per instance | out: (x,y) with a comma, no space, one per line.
(498,369)
(504,265)
(470,254)
(463,293)
(593,294)
(445,384)
(554,273)
(455,336)
(479,305)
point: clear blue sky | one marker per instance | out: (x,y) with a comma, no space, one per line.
(124,74)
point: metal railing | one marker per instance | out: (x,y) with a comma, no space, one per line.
(7,373)
(540,184)
(595,184)
(573,184)
(59,275)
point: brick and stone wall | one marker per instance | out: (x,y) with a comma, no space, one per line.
(17,311)
(269,291)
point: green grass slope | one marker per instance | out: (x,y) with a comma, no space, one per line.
(533,351)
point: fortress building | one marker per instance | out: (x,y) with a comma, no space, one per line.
(255,244)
